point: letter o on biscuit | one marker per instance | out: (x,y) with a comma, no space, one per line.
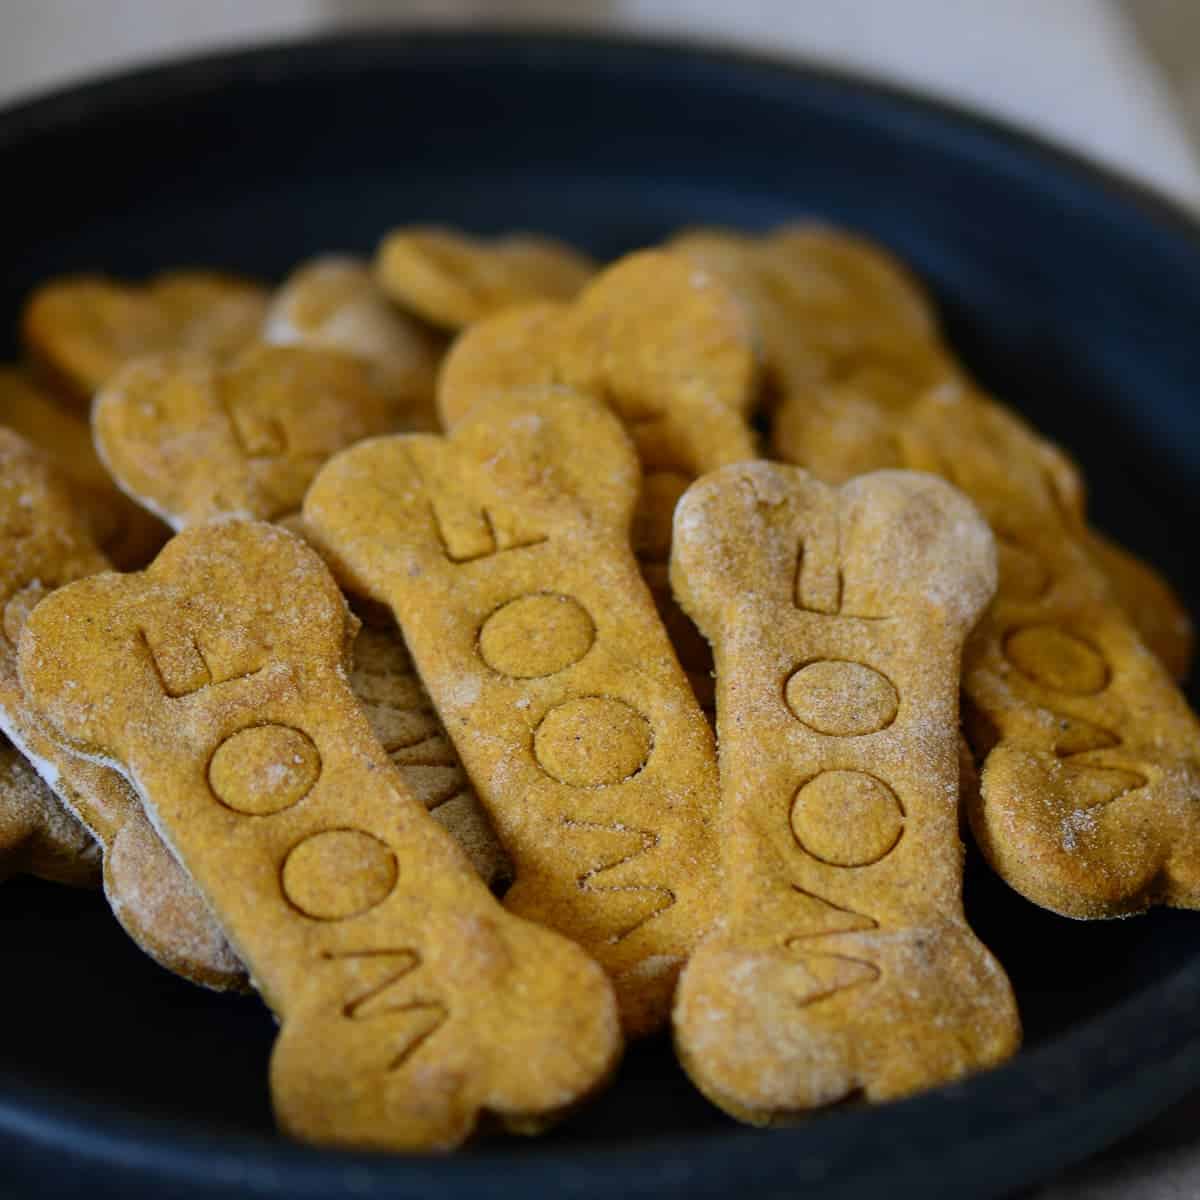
(536,635)
(847,818)
(264,769)
(842,699)
(339,873)
(593,741)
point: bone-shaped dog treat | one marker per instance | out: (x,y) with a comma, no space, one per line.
(80,330)
(504,552)
(451,279)
(180,435)
(192,440)
(843,963)
(668,347)
(334,303)
(127,534)
(1092,768)
(43,544)
(664,343)
(411,1003)
(38,836)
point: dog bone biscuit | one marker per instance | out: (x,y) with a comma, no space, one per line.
(80,330)
(1091,769)
(669,349)
(38,836)
(193,440)
(410,1002)
(504,552)
(662,342)
(1091,755)
(334,303)
(127,534)
(43,544)
(844,962)
(451,279)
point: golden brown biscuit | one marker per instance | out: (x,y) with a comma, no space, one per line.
(452,279)
(670,350)
(1092,767)
(334,303)
(80,330)
(664,343)
(38,836)
(43,544)
(128,534)
(843,963)
(503,549)
(192,440)
(410,1003)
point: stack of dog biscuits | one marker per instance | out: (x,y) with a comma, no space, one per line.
(489,656)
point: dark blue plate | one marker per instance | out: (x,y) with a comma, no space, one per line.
(1075,296)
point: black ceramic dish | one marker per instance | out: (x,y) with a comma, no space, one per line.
(1072,294)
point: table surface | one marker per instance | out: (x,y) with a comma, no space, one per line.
(1118,80)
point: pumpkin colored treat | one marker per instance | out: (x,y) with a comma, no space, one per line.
(128,534)
(192,440)
(410,1003)
(402,717)
(843,963)
(504,552)
(815,294)
(1091,756)
(1149,601)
